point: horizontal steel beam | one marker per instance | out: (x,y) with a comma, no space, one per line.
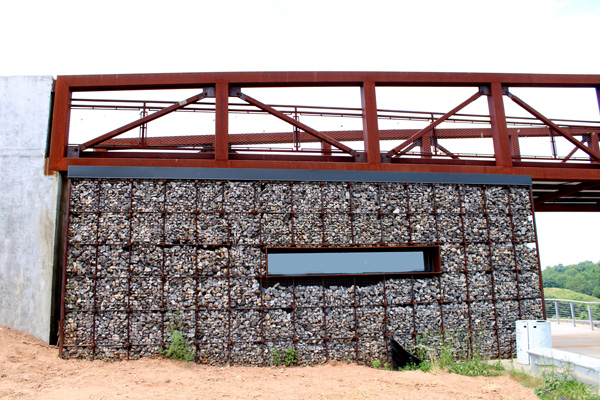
(567,208)
(542,173)
(287,79)
(294,175)
(286,137)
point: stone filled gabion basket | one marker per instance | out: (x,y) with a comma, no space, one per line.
(142,253)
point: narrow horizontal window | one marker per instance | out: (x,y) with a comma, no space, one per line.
(352,261)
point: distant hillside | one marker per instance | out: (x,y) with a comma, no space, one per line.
(583,277)
(566,294)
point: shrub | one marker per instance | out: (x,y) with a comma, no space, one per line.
(179,348)
(287,358)
(290,357)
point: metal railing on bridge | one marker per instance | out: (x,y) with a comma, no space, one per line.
(582,312)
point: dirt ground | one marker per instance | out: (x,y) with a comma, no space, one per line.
(30,369)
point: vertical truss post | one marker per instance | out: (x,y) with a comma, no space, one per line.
(60,124)
(594,141)
(429,142)
(296,132)
(426,146)
(369,118)
(499,130)
(434,141)
(514,145)
(221,121)
(552,143)
(143,127)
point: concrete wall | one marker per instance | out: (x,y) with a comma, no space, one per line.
(28,205)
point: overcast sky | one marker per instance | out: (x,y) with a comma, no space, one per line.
(520,36)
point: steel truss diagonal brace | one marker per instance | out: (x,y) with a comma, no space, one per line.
(208,92)
(429,127)
(571,153)
(591,152)
(446,151)
(293,122)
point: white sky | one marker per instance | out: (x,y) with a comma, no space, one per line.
(520,36)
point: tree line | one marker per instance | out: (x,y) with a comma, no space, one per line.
(583,277)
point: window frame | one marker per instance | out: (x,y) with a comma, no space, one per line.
(432,261)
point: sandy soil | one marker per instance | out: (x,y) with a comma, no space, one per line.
(31,369)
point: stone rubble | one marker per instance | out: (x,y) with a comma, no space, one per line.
(145,253)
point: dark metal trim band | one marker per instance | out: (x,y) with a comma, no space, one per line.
(253,174)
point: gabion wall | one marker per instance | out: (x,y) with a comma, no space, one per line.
(143,252)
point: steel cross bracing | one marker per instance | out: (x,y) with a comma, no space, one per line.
(567,178)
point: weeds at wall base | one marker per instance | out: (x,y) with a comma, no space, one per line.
(554,384)
(446,357)
(287,358)
(179,348)
(525,379)
(562,384)
(469,367)
(551,384)
(378,365)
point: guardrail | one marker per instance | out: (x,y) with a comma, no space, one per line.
(583,312)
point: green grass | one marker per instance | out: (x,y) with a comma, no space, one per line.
(551,384)
(525,379)
(556,385)
(566,294)
(478,367)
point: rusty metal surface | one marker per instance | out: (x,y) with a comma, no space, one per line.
(556,153)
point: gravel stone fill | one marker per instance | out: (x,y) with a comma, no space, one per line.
(143,252)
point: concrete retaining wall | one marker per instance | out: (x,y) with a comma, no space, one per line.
(28,205)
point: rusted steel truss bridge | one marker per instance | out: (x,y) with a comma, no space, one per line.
(353,121)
